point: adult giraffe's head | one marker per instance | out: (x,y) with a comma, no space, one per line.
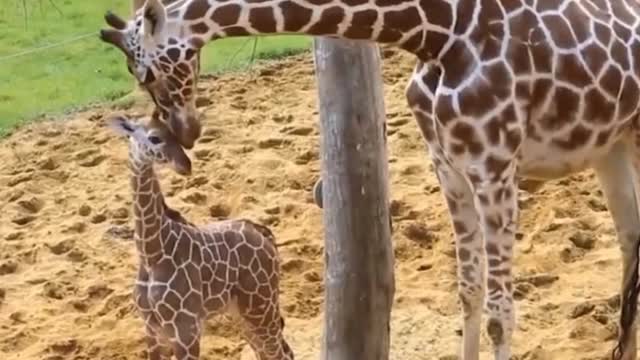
(164,63)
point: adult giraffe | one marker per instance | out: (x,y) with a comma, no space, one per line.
(503,89)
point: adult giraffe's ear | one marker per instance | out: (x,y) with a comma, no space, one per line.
(155,18)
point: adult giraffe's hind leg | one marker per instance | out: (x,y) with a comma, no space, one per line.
(495,196)
(468,239)
(615,172)
(469,255)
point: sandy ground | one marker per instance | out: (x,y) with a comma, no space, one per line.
(67,262)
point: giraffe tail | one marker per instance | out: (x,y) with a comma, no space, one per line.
(263,230)
(628,307)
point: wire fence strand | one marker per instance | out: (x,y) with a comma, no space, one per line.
(38,49)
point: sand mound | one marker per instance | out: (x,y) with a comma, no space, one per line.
(67,262)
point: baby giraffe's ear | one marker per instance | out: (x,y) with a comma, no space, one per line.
(121,125)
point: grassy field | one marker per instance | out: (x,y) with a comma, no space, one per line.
(58,79)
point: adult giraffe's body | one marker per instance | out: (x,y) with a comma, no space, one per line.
(503,89)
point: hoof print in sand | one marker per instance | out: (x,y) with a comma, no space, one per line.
(195,197)
(84,210)
(23,219)
(62,247)
(523,290)
(53,290)
(65,347)
(583,240)
(202,154)
(196,182)
(420,234)
(19,179)
(273,143)
(32,205)
(93,161)
(210,135)
(8,267)
(75,228)
(119,232)
(13,236)
(76,255)
(297,130)
(306,157)
(98,218)
(219,211)
(581,310)
(121,213)
(99,291)
(47,164)
(14,195)
(538,280)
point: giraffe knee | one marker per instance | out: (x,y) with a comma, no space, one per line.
(495,331)
(471,300)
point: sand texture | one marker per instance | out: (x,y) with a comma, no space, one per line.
(67,260)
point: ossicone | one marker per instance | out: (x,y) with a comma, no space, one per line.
(115,21)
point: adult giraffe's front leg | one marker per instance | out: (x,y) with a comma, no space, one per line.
(469,254)
(459,198)
(468,239)
(615,172)
(495,196)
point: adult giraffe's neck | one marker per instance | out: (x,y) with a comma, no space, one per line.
(149,211)
(403,23)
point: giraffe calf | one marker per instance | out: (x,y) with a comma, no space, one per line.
(187,273)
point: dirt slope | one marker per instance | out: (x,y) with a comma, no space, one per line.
(67,263)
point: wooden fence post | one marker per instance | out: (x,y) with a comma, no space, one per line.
(359,279)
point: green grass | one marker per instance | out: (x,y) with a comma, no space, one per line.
(86,71)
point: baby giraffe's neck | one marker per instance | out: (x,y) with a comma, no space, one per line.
(150,212)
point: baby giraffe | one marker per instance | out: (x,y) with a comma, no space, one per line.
(187,273)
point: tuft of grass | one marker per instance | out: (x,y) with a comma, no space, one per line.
(87,71)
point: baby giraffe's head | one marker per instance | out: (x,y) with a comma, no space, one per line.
(151,143)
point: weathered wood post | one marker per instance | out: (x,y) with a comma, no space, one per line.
(359,277)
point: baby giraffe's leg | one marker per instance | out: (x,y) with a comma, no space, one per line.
(186,329)
(264,327)
(178,307)
(155,347)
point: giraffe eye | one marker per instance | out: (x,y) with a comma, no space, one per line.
(155,140)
